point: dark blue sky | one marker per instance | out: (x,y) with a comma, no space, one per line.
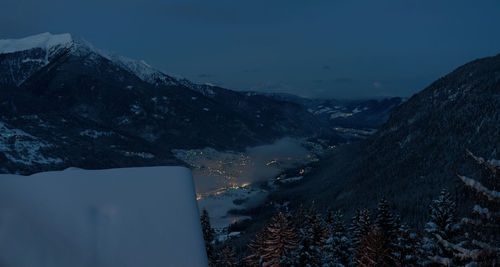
(332,48)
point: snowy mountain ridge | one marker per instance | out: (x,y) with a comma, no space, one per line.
(53,44)
(43,40)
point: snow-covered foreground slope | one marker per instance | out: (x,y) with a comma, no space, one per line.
(115,217)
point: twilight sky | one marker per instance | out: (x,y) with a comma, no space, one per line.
(330,48)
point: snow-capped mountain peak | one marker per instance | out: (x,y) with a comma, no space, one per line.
(23,58)
(51,44)
(43,40)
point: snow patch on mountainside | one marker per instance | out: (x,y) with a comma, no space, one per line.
(21,147)
(95,134)
(44,40)
(141,69)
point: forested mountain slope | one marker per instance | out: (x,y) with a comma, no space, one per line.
(418,151)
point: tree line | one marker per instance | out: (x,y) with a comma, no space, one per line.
(305,237)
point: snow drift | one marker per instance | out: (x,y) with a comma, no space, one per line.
(116,217)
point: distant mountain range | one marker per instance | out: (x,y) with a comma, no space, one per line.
(418,151)
(65,103)
(359,114)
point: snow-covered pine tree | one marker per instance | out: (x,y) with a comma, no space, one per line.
(385,220)
(313,237)
(280,241)
(226,257)
(208,236)
(256,247)
(318,231)
(338,248)
(408,247)
(313,234)
(360,226)
(388,225)
(442,223)
(273,243)
(306,254)
(373,250)
(484,247)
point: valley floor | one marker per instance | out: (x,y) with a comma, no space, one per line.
(229,181)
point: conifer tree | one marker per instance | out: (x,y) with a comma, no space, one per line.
(226,257)
(256,247)
(408,247)
(338,248)
(277,241)
(442,224)
(385,220)
(208,236)
(313,234)
(387,224)
(360,226)
(373,250)
(484,246)
(318,231)
(281,240)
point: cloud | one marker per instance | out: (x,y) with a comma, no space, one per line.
(377,84)
(326,67)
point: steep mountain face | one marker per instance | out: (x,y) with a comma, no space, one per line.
(419,150)
(20,58)
(64,103)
